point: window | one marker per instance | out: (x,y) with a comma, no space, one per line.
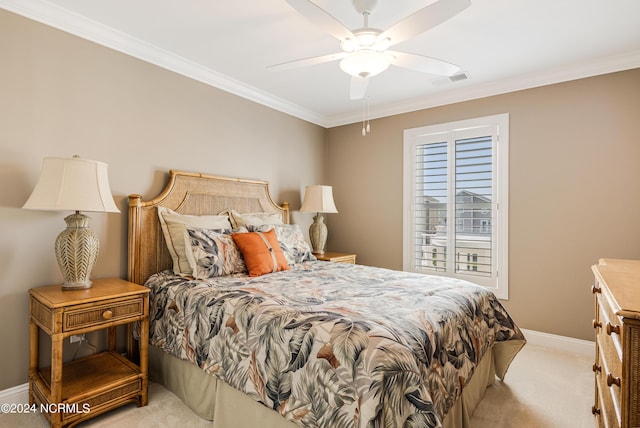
(455,201)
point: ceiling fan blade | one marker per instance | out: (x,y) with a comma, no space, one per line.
(307,61)
(424,19)
(358,88)
(321,18)
(422,63)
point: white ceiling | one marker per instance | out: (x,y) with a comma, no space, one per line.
(503,45)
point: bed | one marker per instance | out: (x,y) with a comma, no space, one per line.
(316,344)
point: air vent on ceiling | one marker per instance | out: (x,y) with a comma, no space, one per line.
(458,77)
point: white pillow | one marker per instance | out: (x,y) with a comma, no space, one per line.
(174,226)
(254,219)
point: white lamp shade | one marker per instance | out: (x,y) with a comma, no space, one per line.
(72,184)
(318,199)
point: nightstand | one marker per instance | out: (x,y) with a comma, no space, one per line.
(68,393)
(331,256)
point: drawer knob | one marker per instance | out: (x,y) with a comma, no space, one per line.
(597,324)
(612,329)
(595,410)
(611,380)
(595,289)
(107,314)
(596,368)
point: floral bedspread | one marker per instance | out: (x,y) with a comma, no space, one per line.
(333,344)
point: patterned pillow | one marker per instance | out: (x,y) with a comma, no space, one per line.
(291,240)
(173,227)
(261,252)
(212,253)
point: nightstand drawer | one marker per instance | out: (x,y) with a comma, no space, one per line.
(90,316)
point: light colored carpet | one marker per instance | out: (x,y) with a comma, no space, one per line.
(544,388)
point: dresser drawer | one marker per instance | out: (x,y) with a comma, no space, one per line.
(608,399)
(609,344)
(82,317)
(608,334)
(611,324)
(608,381)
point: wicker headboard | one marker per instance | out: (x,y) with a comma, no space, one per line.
(188,193)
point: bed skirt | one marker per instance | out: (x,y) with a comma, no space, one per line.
(215,400)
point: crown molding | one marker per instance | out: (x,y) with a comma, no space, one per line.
(78,25)
(626,61)
(83,27)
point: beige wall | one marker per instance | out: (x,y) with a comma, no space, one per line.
(61,95)
(575,181)
(574,191)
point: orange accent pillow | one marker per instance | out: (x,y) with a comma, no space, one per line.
(261,252)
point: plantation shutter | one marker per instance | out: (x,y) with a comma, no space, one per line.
(454,204)
(456,201)
(431,199)
(473,189)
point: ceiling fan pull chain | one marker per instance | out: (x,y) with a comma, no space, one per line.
(364,119)
(366,123)
(368,117)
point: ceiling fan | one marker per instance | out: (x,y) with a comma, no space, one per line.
(365,50)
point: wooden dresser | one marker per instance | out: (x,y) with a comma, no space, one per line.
(617,331)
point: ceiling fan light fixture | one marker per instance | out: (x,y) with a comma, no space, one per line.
(367,37)
(364,63)
(349,45)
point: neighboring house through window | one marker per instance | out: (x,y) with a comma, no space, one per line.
(455,201)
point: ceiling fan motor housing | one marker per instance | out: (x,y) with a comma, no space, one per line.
(366,38)
(365,6)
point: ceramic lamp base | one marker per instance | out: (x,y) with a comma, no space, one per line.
(77,251)
(318,234)
(76,285)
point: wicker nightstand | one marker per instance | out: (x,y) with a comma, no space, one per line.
(331,256)
(87,387)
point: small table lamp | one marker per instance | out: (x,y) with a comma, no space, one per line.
(74,184)
(318,199)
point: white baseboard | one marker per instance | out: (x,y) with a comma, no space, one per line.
(16,395)
(561,343)
(20,394)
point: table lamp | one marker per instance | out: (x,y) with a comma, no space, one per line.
(318,199)
(74,184)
